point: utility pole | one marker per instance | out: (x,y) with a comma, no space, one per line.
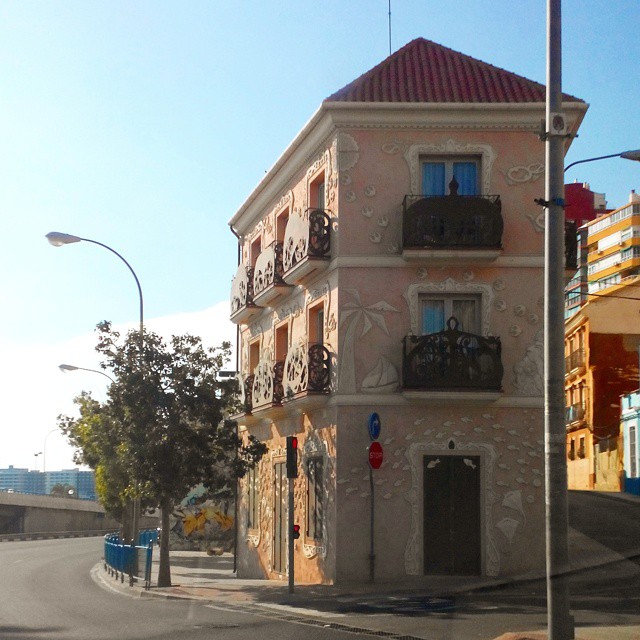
(559,620)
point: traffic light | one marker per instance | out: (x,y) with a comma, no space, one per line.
(292,457)
(295,534)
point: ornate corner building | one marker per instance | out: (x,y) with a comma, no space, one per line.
(391,261)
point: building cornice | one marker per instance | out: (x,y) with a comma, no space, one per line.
(395,261)
(338,115)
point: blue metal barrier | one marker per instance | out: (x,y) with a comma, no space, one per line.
(121,558)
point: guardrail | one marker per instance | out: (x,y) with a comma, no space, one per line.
(46,535)
(122,559)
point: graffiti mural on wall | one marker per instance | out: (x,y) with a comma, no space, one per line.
(199,522)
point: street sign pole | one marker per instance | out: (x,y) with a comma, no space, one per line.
(375,460)
(372,548)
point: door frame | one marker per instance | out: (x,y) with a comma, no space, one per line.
(414,551)
(279,462)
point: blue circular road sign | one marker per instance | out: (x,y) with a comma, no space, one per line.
(374,426)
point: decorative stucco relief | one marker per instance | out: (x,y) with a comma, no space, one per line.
(414,291)
(529,371)
(348,152)
(353,314)
(415,455)
(392,147)
(450,147)
(521,174)
(383,378)
(537,221)
(286,200)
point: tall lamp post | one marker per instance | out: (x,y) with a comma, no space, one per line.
(58,239)
(559,621)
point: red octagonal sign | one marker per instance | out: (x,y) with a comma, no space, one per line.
(375,455)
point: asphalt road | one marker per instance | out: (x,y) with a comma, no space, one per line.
(46,592)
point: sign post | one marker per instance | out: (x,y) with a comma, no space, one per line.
(376,456)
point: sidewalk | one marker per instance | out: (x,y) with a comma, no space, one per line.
(380,609)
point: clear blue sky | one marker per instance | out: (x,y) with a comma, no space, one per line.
(144,125)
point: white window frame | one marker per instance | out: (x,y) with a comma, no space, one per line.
(416,154)
(449,161)
(448,300)
(416,291)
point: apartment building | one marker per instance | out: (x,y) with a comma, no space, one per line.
(602,341)
(391,263)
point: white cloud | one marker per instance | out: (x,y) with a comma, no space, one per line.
(34,391)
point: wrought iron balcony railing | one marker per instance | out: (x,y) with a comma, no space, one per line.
(267,384)
(306,370)
(268,269)
(452,359)
(453,221)
(575,360)
(574,413)
(306,236)
(242,289)
(246,394)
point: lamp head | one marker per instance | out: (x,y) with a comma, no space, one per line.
(67,367)
(57,239)
(631,155)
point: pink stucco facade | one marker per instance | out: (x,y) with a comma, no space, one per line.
(364,297)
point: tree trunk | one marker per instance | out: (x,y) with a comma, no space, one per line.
(164,571)
(125,530)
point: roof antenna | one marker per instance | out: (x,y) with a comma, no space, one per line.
(389,27)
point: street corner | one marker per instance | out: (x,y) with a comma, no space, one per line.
(116,585)
(111,583)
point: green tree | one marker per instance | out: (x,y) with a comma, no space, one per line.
(99,443)
(171,404)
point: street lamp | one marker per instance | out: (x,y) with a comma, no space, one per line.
(69,367)
(35,455)
(627,155)
(560,624)
(58,239)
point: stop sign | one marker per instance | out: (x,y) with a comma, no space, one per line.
(375,455)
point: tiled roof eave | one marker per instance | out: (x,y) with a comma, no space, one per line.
(446,106)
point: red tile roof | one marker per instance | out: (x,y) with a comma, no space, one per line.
(423,71)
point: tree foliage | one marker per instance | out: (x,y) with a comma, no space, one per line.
(163,428)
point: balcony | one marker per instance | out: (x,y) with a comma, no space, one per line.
(267,389)
(242,303)
(452,360)
(307,244)
(570,248)
(268,282)
(307,370)
(246,393)
(452,227)
(574,413)
(575,360)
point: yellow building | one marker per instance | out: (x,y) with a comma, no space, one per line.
(601,349)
